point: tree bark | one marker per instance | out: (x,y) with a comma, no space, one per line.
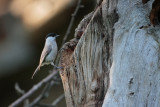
(135,73)
(113,61)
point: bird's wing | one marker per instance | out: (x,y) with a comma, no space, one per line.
(47,49)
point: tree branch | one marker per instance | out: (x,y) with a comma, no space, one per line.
(72,21)
(54,104)
(58,100)
(43,95)
(35,88)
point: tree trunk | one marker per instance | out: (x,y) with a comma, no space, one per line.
(113,61)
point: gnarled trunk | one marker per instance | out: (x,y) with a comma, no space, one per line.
(111,60)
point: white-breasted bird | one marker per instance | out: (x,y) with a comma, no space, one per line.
(49,52)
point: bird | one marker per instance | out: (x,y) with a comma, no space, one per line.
(49,52)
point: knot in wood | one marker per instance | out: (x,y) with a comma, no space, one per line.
(94,86)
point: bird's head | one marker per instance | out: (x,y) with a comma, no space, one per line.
(52,35)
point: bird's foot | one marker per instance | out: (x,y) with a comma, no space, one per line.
(59,67)
(56,66)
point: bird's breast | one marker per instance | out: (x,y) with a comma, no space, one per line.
(52,55)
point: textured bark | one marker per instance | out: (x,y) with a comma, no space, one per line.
(113,63)
(135,73)
(87,58)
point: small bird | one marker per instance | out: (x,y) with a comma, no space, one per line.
(49,52)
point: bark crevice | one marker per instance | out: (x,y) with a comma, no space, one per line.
(87,84)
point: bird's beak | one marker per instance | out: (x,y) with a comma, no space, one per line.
(57,36)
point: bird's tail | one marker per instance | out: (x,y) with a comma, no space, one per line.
(37,69)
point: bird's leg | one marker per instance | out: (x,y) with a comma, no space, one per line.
(56,66)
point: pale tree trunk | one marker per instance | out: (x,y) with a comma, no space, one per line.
(113,61)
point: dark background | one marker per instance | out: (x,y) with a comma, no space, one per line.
(23,27)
